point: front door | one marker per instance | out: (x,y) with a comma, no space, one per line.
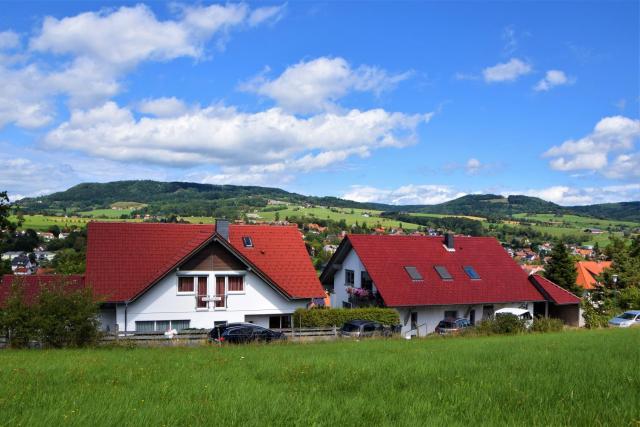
(472,317)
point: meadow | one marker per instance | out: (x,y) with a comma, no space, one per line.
(576,378)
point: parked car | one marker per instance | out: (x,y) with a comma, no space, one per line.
(364,329)
(452,326)
(520,313)
(626,319)
(238,333)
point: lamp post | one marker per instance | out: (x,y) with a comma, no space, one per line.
(615,289)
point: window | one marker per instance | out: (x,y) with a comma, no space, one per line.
(201,299)
(349,277)
(365,281)
(236,284)
(280,322)
(450,314)
(220,291)
(247,242)
(413,273)
(185,284)
(161,325)
(471,272)
(443,272)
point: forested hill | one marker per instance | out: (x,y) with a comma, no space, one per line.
(178,198)
(191,199)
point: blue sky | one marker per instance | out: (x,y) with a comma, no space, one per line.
(398,102)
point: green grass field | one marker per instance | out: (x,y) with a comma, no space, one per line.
(107,213)
(342,213)
(570,378)
(43,222)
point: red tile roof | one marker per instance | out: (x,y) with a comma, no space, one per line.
(553,292)
(124,259)
(33,284)
(384,257)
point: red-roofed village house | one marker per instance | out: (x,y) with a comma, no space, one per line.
(157,277)
(428,279)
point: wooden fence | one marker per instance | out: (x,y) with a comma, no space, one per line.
(197,337)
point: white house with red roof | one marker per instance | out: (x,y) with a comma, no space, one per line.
(428,279)
(156,277)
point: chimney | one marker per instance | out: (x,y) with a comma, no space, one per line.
(222,228)
(448,242)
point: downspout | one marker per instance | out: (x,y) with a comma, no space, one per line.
(126,305)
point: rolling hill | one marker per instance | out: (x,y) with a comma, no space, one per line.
(191,199)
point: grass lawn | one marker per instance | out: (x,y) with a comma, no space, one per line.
(576,378)
(107,213)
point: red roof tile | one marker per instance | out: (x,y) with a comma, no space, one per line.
(33,284)
(553,292)
(501,279)
(587,272)
(124,259)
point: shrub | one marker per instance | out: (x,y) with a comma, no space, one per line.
(542,324)
(67,318)
(595,317)
(497,325)
(58,317)
(338,316)
(17,318)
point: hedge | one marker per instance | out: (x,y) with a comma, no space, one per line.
(327,317)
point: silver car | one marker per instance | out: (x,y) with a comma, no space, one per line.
(626,319)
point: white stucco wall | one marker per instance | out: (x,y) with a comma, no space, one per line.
(430,316)
(351,262)
(162,302)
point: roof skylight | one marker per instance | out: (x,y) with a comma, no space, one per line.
(247,242)
(413,273)
(471,272)
(443,272)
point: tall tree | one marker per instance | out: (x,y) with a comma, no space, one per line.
(561,268)
(5,207)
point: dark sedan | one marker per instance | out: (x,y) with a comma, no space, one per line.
(239,333)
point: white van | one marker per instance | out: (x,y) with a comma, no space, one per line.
(520,313)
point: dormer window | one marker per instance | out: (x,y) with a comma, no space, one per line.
(443,272)
(471,272)
(247,242)
(413,273)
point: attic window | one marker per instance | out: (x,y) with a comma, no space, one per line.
(247,242)
(413,273)
(443,272)
(471,272)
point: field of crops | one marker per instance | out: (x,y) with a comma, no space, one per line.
(569,378)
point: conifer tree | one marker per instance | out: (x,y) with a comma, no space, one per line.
(561,268)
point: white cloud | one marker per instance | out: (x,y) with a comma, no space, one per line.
(610,135)
(473,166)
(162,107)
(21,176)
(9,40)
(224,136)
(316,85)
(568,196)
(269,13)
(434,194)
(91,52)
(552,79)
(411,194)
(510,40)
(506,72)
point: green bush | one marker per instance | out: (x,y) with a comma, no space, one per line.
(59,317)
(338,316)
(595,318)
(542,324)
(497,325)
